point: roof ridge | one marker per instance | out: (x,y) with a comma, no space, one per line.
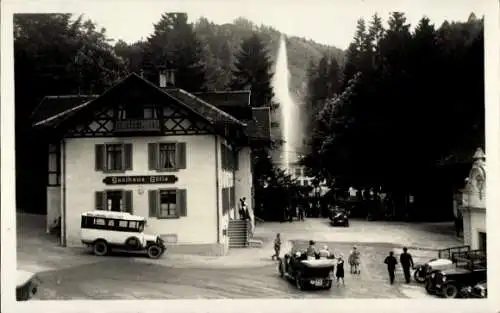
(229,116)
(70,96)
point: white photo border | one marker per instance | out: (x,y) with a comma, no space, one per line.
(8,205)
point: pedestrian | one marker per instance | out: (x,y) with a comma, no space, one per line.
(243,209)
(391,262)
(277,247)
(340,270)
(406,263)
(354,260)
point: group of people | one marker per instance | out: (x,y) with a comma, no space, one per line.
(325,253)
(405,259)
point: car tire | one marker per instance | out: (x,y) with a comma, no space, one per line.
(154,251)
(100,247)
(418,277)
(450,291)
(133,243)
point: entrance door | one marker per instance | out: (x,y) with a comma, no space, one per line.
(482,240)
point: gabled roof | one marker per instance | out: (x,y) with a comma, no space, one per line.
(52,106)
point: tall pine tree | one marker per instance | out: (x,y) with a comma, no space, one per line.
(252,70)
(174,45)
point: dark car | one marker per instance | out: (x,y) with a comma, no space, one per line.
(443,261)
(26,285)
(469,270)
(304,272)
(339,218)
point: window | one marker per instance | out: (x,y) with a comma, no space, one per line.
(113,157)
(114,200)
(100,222)
(167,156)
(137,112)
(167,203)
(54,173)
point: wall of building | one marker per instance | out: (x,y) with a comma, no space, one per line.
(53,205)
(477,225)
(200,224)
(243,179)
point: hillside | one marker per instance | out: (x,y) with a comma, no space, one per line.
(221,42)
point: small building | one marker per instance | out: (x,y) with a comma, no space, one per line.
(180,159)
(474,203)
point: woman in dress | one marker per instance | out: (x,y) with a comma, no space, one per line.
(340,270)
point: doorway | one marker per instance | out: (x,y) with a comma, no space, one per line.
(482,241)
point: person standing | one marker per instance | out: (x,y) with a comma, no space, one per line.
(340,270)
(277,247)
(354,261)
(391,262)
(406,263)
(311,250)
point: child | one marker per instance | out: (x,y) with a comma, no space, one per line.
(277,247)
(354,261)
(340,270)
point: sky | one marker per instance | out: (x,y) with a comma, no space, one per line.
(329,22)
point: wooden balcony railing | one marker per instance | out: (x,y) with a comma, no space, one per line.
(137,126)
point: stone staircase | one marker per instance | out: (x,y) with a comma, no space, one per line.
(239,233)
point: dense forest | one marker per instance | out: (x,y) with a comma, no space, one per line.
(406,111)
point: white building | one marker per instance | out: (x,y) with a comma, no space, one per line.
(474,203)
(158,152)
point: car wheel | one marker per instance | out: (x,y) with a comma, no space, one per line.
(100,248)
(132,243)
(428,287)
(419,276)
(154,251)
(450,291)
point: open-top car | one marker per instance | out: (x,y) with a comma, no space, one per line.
(106,230)
(469,270)
(307,272)
(26,285)
(443,261)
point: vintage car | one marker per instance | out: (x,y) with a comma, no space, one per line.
(339,217)
(106,230)
(469,270)
(443,261)
(26,285)
(306,272)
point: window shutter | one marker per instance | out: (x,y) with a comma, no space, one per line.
(100,200)
(128,157)
(99,158)
(127,201)
(152,156)
(231,198)
(153,203)
(180,151)
(181,202)
(225,202)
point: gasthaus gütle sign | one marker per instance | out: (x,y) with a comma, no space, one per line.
(132,180)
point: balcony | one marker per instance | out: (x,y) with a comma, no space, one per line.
(139,126)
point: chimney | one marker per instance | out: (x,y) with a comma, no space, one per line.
(166,78)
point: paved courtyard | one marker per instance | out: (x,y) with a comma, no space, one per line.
(243,273)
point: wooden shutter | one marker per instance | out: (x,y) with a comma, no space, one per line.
(100,201)
(180,151)
(181,202)
(127,201)
(153,203)
(231,198)
(128,156)
(152,156)
(100,160)
(225,200)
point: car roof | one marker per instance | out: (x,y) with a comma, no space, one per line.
(111,214)
(23,277)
